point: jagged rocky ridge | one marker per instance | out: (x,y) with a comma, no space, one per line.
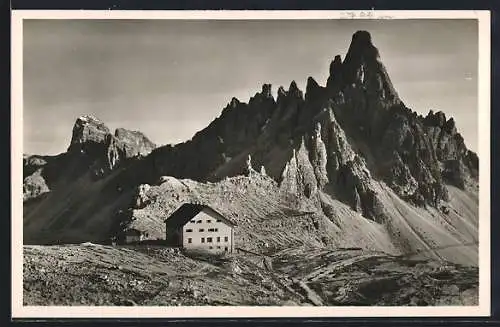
(93,148)
(347,134)
(333,143)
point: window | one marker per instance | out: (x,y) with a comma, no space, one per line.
(218,239)
(210,247)
(190,240)
(209,221)
(202,240)
(209,240)
(226,238)
(198,222)
(216,229)
(218,220)
(193,221)
(218,247)
(189,230)
(201,230)
(225,249)
(210,229)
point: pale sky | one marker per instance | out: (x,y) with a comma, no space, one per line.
(170,79)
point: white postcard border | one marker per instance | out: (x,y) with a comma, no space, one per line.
(20,311)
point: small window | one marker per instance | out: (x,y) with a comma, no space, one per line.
(226,238)
(189,230)
(198,222)
(201,230)
(209,240)
(209,221)
(218,247)
(190,240)
(218,239)
(210,229)
(193,221)
(216,229)
(202,240)
(218,220)
(225,249)
(210,247)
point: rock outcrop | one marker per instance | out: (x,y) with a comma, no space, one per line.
(93,138)
(34,185)
(461,166)
(89,135)
(365,133)
(350,133)
(34,179)
(351,144)
(224,139)
(93,149)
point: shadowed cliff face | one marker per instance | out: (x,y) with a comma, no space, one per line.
(93,138)
(93,149)
(343,142)
(364,127)
(362,65)
(366,134)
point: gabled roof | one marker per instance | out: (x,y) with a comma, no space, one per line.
(188,210)
(133,232)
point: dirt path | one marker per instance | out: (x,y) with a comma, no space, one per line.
(104,275)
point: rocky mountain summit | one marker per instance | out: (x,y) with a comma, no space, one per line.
(91,136)
(353,128)
(349,158)
(93,148)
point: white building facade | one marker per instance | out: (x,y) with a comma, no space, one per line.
(199,227)
(208,232)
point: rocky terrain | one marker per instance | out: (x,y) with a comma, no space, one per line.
(90,275)
(343,165)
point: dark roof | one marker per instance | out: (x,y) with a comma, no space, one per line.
(132,232)
(188,210)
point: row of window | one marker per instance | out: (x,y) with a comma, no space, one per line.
(200,221)
(209,239)
(225,248)
(189,230)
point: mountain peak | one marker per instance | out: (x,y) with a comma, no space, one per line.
(234,102)
(312,88)
(294,90)
(94,139)
(363,38)
(361,63)
(361,47)
(89,118)
(267,90)
(335,73)
(88,128)
(362,67)
(312,82)
(346,150)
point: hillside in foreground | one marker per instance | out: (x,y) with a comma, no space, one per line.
(90,274)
